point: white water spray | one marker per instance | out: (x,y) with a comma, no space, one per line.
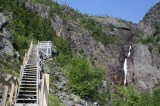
(125,66)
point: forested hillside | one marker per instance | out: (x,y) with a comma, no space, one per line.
(88,63)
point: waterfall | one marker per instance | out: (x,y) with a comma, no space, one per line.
(125,66)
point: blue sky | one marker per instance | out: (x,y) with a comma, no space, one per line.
(131,10)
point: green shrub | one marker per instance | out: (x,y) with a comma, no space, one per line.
(62,45)
(64,50)
(126,97)
(102,98)
(46,2)
(97,33)
(158,38)
(150,48)
(147,40)
(84,80)
(54,101)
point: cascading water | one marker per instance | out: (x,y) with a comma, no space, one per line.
(125,66)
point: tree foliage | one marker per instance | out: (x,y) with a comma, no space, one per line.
(25,25)
(84,80)
(97,32)
(128,97)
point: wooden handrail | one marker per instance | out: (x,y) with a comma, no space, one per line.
(12,83)
(27,54)
(9,83)
(44,90)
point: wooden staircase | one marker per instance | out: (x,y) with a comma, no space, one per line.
(28,88)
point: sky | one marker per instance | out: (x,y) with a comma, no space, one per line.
(131,10)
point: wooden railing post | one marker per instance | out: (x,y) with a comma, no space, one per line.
(45,90)
(5,95)
(46,77)
(9,83)
(11,94)
(15,90)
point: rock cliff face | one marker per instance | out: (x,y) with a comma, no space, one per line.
(111,56)
(5,37)
(145,60)
(41,10)
(140,70)
(142,65)
(150,22)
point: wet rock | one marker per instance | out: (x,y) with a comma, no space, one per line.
(145,75)
(141,56)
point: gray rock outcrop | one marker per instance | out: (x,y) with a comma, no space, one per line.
(5,37)
(5,46)
(140,69)
(3,20)
(40,9)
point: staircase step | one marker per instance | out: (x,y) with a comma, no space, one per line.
(33,77)
(25,74)
(26,101)
(29,73)
(24,82)
(27,96)
(30,67)
(29,92)
(31,89)
(28,87)
(28,84)
(28,79)
(35,73)
(29,60)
